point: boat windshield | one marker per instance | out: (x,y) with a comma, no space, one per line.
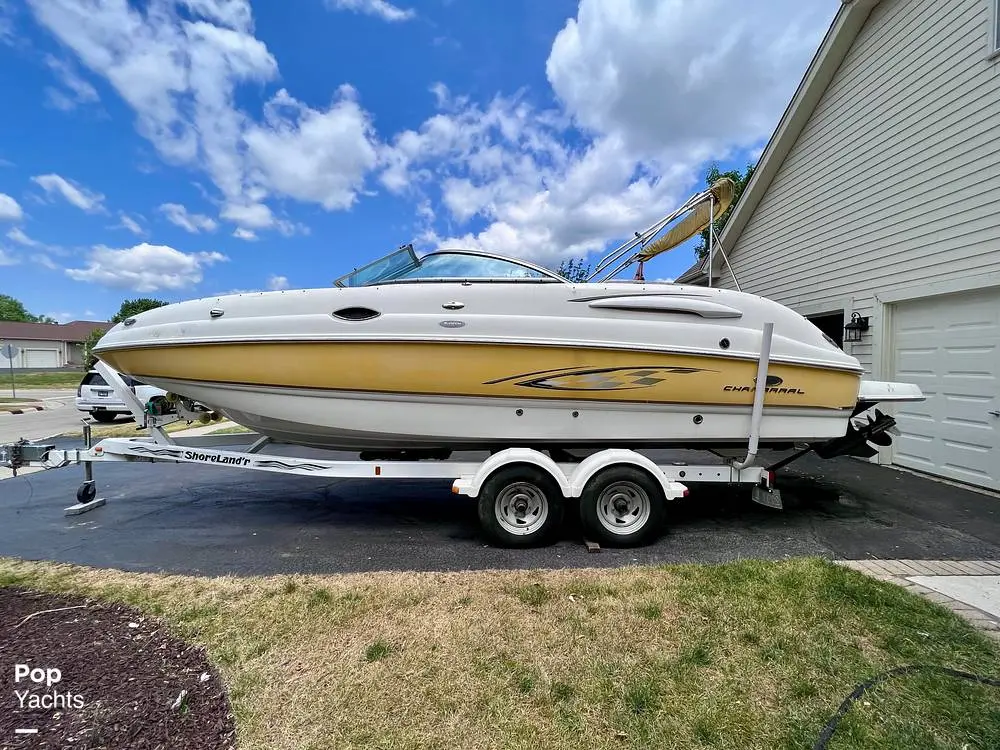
(403,266)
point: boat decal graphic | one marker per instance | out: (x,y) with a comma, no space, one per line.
(597,378)
(272,464)
(155,451)
(771,386)
(216,458)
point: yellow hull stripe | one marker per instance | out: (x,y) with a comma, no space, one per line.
(491,370)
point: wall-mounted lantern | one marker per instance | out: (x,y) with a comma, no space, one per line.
(854,329)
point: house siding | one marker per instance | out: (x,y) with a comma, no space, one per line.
(894,183)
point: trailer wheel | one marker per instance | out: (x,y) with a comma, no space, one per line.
(622,506)
(520,506)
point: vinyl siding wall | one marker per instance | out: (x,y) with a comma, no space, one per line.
(893,187)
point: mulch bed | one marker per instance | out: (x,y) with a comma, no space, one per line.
(121,676)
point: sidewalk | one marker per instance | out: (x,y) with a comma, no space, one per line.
(970,588)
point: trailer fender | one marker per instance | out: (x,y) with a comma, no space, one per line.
(618,457)
(471,484)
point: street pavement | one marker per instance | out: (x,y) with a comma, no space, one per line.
(60,417)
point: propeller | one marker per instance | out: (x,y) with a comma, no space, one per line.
(860,441)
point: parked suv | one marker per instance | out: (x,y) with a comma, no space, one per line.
(95,396)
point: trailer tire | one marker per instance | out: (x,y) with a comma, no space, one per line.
(520,506)
(622,506)
(86,493)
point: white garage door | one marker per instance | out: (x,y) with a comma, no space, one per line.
(950,346)
(41,358)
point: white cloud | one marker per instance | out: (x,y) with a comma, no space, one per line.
(381,8)
(17,235)
(508,163)
(232,14)
(6,259)
(72,192)
(194,223)
(10,209)
(62,317)
(145,267)
(245,234)
(127,222)
(45,261)
(315,156)
(78,91)
(254,215)
(668,79)
(6,23)
(179,72)
(277,283)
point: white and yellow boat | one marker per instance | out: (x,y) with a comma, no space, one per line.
(463,349)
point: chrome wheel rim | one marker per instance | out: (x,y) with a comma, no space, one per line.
(623,508)
(521,509)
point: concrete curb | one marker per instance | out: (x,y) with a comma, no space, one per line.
(900,572)
(23,409)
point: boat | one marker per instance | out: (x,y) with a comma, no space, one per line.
(468,350)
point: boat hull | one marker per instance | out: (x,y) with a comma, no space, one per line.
(516,372)
(356,421)
(355,395)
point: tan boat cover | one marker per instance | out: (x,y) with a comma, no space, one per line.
(697,219)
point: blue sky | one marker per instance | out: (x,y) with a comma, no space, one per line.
(186,148)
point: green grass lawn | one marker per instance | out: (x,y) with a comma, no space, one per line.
(235,429)
(126,428)
(55,379)
(754,655)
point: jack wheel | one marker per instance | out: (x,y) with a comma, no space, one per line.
(86,493)
(520,506)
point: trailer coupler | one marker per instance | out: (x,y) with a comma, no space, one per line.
(22,453)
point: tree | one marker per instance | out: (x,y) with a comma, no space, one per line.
(89,360)
(741,180)
(132,307)
(129,308)
(574,270)
(13,309)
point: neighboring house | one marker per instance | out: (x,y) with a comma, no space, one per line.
(879,194)
(47,346)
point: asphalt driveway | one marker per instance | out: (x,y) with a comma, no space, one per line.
(198,519)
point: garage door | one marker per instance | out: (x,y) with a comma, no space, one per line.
(41,358)
(950,347)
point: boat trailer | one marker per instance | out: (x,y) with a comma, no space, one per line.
(521,492)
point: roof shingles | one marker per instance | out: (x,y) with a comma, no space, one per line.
(74,331)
